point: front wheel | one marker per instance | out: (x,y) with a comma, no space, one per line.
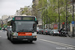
(8,37)
(11,39)
(52,34)
(65,35)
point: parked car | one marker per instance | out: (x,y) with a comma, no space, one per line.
(55,32)
(38,31)
(47,31)
(41,31)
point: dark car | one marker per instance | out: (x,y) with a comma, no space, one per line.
(41,31)
(47,31)
(55,32)
(38,31)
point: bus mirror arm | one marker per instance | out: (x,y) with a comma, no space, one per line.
(36,22)
(12,22)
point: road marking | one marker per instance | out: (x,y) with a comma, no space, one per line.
(58,43)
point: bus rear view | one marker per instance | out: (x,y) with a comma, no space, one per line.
(23,28)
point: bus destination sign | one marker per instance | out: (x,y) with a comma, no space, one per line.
(18,18)
(28,18)
(24,18)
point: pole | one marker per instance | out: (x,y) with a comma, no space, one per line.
(66,17)
(73,18)
(58,14)
(42,15)
(42,21)
(2,24)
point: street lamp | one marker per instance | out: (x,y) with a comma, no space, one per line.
(58,14)
(73,17)
(66,17)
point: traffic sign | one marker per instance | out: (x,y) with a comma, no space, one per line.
(73,22)
(55,26)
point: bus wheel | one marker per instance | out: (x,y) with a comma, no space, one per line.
(11,39)
(8,37)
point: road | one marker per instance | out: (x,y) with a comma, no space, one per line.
(44,42)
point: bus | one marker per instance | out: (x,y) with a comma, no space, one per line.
(22,28)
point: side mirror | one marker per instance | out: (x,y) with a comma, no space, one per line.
(36,22)
(12,22)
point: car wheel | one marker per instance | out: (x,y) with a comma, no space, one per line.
(46,33)
(43,33)
(52,34)
(65,35)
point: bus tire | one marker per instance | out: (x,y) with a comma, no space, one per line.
(11,39)
(8,37)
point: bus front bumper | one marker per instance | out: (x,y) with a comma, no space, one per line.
(24,38)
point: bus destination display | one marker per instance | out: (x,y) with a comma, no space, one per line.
(28,18)
(25,18)
(18,18)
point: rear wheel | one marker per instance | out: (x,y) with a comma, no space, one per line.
(65,35)
(52,34)
(8,37)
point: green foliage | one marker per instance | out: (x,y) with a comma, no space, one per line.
(50,14)
(26,11)
(42,3)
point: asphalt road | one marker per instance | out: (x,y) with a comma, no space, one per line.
(44,42)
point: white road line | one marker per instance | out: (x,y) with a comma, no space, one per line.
(58,43)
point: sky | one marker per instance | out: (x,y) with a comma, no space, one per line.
(9,7)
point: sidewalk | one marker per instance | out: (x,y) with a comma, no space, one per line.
(70,33)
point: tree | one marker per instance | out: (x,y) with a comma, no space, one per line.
(26,11)
(51,12)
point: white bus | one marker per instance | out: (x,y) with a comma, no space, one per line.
(23,28)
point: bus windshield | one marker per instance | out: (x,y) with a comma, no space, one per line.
(24,26)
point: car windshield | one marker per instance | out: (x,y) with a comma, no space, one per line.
(55,30)
(48,29)
(24,26)
(41,29)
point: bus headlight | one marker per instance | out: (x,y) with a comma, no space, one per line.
(15,34)
(34,36)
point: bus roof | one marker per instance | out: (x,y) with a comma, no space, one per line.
(21,17)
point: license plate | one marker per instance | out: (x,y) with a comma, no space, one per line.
(25,39)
